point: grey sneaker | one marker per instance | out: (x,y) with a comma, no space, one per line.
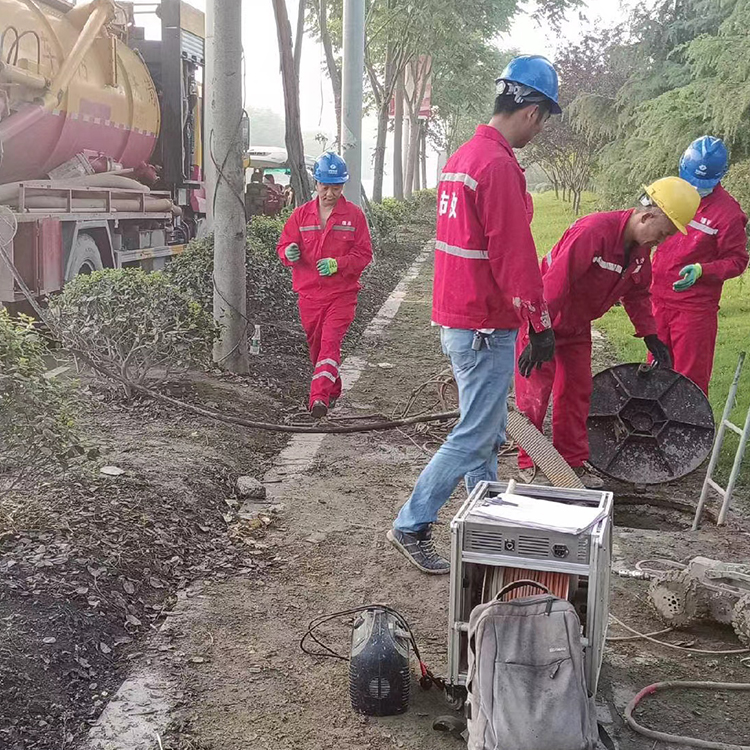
(419,550)
(590,480)
(319,410)
(533,476)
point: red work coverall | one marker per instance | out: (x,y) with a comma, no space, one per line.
(584,275)
(688,321)
(327,303)
(486,270)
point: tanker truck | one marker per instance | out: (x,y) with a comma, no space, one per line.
(100,138)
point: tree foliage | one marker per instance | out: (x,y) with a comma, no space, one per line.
(458,37)
(688,74)
(567,153)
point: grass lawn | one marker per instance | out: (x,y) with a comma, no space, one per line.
(551,219)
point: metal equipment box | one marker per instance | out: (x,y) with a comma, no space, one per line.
(486,554)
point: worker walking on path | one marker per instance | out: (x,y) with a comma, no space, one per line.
(601,259)
(690,270)
(327,244)
(487,285)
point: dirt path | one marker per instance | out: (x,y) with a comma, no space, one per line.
(233,651)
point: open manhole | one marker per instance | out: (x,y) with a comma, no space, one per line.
(653,514)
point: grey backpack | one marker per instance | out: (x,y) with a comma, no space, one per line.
(526,684)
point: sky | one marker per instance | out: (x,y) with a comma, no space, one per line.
(263,80)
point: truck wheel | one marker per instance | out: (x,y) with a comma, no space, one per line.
(84,257)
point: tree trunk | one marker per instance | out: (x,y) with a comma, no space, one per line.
(379,165)
(557,189)
(424,155)
(382,96)
(293,135)
(398,140)
(334,74)
(412,154)
(298,37)
(417,170)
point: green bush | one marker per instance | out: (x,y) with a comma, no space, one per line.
(425,199)
(36,428)
(263,234)
(133,323)
(192,271)
(386,218)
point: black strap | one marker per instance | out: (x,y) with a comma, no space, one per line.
(604,737)
(520,584)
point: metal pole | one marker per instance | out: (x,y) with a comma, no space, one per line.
(736,466)
(351,95)
(731,399)
(209,170)
(230,282)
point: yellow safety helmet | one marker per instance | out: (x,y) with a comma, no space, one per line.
(677,198)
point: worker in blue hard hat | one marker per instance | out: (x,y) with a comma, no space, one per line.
(326,242)
(487,286)
(689,270)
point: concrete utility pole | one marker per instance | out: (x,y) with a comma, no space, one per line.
(230,281)
(351,95)
(209,170)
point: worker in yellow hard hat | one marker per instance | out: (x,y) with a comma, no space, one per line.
(602,259)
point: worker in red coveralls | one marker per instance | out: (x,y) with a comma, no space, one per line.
(690,270)
(487,285)
(601,259)
(327,243)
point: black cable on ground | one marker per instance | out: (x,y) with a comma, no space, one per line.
(674,738)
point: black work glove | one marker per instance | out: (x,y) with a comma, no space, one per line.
(540,349)
(659,351)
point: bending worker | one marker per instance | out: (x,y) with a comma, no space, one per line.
(601,259)
(690,270)
(487,285)
(327,243)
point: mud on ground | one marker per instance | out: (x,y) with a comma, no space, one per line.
(91,564)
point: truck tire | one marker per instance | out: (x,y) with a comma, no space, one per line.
(84,257)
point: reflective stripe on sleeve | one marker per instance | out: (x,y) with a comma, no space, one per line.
(461,252)
(466,179)
(703,228)
(606,265)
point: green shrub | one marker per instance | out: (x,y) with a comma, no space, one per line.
(425,199)
(36,428)
(192,271)
(386,218)
(263,234)
(133,323)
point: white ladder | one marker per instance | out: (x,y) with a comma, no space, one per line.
(744,434)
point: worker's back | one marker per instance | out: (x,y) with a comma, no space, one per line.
(481,211)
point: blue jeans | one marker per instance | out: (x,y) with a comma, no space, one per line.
(483,379)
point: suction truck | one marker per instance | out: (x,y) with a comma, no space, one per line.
(101,142)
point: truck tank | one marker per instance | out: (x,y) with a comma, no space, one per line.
(106,103)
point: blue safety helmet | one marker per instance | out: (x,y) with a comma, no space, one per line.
(330,169)
(704,162)
(532,72)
